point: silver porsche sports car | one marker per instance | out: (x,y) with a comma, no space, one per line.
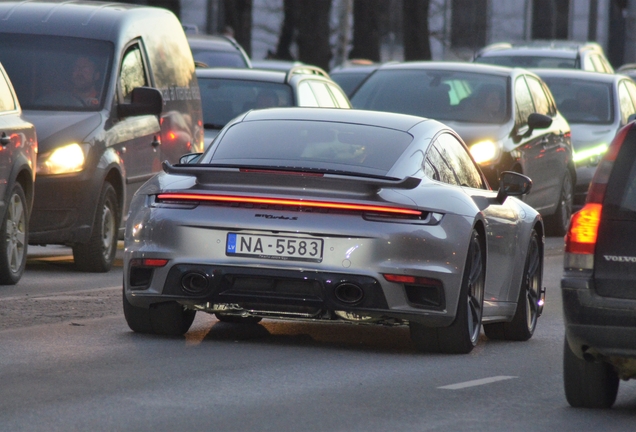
(336,215)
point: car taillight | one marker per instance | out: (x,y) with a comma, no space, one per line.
(580,241)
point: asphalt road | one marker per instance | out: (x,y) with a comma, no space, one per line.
(92,373)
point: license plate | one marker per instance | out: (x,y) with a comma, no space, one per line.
(274,247)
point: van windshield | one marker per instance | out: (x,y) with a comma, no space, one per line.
(57,73)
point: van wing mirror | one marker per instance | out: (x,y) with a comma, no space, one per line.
(143,101)
(513,184)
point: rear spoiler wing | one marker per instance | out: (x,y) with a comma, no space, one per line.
(284,179)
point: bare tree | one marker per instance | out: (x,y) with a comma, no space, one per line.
(288,30)
(416,35)
(313,32)
(238,22)
(366,30)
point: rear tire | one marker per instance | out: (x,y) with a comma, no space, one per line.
(463,334)
(557,224)
(167,319)
(98,254)
(14,240)
(524,322)
(588,384)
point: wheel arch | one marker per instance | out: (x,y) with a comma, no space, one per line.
(114,177)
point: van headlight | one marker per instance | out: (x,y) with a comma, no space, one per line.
(63,160)
(484,151)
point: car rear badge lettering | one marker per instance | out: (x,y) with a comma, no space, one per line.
(614,258)
(269,216)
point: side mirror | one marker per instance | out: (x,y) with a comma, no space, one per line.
(189,158)
(631,118)
(513,184)
(144,101)
(539,121)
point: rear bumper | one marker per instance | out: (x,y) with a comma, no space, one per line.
(597,325)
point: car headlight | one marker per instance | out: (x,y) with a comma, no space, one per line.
(63,160)
(484,151)
(590,155)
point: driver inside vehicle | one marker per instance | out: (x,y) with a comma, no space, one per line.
(84,78)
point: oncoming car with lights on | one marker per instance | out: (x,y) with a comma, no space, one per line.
(336,215)
(506,116)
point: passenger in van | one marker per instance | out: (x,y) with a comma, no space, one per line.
(84,79)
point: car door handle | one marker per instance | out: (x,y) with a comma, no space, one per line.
(4,139)
(156,142)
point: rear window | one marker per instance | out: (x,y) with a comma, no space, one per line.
(349,81)
(438,94)
(530,61)
(224,99)
(310,144)
(582,101)
(219,58)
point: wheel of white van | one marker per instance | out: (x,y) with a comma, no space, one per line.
(588,384)
(463,334)
(170,319)
(98,254)
(557,224)
(237,319)
(13,247)
(524,322)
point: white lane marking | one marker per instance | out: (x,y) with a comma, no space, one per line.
(478,382)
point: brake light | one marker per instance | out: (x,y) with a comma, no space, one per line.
(581,236)
(148,262)
(186,197)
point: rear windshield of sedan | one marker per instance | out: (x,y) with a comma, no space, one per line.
(530,62)
(224,99)
(57,73)
(437,94)
(318,145)
(582,101)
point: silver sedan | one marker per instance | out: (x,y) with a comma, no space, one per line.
(340,216)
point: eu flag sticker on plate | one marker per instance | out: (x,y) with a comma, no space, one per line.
(231,243)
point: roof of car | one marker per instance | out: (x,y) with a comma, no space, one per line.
(578,74)
(401,122)
(454,66)
(216,42)
(546,48)
(74,18)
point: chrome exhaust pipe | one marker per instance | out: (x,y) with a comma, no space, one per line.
(349,293)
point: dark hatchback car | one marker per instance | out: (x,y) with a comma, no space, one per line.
(111,90)
(218,51)
(599,299)
(18,153)
(506,116)
(226,93)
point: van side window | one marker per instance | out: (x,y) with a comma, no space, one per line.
(7,103)
(132,73)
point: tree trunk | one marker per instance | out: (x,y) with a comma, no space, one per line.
(366,30)
(313,32)
(416,36)
(288,30)
(238,22)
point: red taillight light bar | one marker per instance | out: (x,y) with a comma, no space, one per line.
(288,202)
(148,262)
(411,280)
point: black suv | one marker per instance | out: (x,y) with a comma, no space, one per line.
(599,299)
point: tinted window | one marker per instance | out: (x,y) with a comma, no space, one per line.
(530,61)
(440,94)
(132,73)
(458,158)
(541,101)
(7,103)
(224,99)
(307,144)
(219,58)
(436,167)
(57,73)
(349,81)
(582,101)
(523,102)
